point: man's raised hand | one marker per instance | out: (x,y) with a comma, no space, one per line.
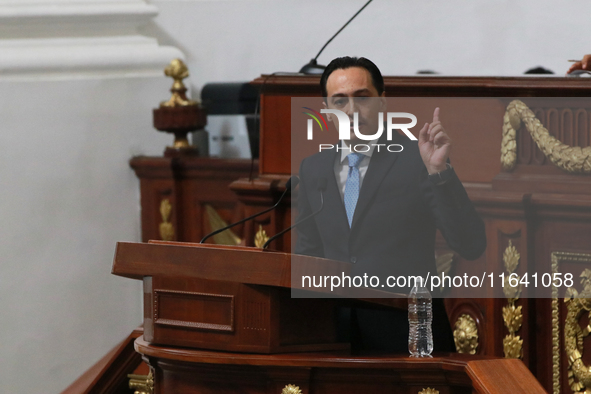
(434,145)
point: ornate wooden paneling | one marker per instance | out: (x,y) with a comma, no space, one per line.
(536,208)
(190,186)
(530,212)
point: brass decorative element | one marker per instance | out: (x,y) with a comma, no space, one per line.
(178,71)
(179,115)
(556,258)
(291,389)
(511,258)
(166,228)
(512,315)
(466,334)
(573,159)
(141,383)
(429,390)
(216,222)
(555,331)
(261,237)
(579,374)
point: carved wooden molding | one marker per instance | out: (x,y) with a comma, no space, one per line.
(572,159)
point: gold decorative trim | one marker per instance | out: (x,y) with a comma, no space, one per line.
(512,315)
(579,374)
(466,335)
(178,71)
(291,389)
(573,159)
(261,237)
(555,330)
(429,390)
(143,384)
(556,259)
(216,222)
(166,228)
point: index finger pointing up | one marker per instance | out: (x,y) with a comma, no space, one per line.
(436,115)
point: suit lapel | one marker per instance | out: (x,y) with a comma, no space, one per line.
(379,166)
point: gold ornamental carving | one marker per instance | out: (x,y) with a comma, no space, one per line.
(179,115)
(578,304)
(555,329)
(291,389)
(261,237)
(466,335)
(227,237)
(178,71)
(573,159)
(166,228)
(556,258)
(512,315)
(429,390)
(142,384)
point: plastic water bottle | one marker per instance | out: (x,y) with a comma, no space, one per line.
(420,319)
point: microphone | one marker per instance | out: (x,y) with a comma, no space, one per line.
(313,68)
(321,189)
(289,185)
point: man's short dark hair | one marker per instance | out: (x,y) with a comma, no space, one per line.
(348,62)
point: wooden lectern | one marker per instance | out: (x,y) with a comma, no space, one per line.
(228,298)
(216,317)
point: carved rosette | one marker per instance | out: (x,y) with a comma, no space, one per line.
(579,374)
(573,159)
(512,315)
(466,335)
(291,389)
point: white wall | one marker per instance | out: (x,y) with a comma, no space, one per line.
(75,106)
(68,195)
(229,40)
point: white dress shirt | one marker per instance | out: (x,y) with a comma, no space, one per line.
(341,165)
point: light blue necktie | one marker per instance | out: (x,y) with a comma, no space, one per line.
(352,185)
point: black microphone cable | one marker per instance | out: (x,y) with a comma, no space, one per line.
(291,184)
(321,188)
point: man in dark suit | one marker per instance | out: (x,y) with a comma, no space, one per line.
(382,208)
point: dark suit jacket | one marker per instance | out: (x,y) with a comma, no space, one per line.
(398,211)
(392,233)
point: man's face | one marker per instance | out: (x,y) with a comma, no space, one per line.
(351,90)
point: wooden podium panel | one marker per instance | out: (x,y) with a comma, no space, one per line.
(238,300)
(220,315)
(229,298)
